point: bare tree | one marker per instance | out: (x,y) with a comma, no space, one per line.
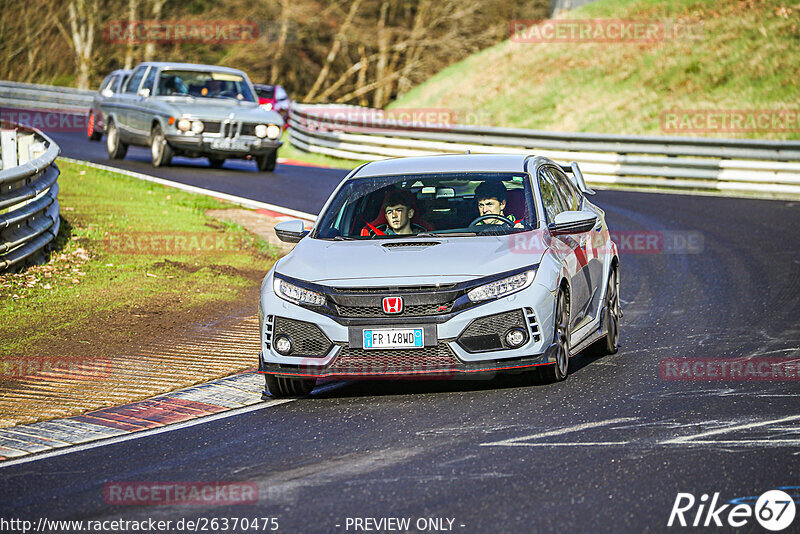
(82,20)
(150,48)
(132,8)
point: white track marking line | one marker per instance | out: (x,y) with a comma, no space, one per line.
(246,202)
(690,439)
(145,433)
(517,442)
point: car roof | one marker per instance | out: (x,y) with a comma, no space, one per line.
(120,71)
(190,66)
(445,163)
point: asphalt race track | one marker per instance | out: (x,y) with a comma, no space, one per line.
(289,186)
(608,450)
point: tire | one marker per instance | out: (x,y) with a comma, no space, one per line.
(116,148)
(609,344)
(159,148)
(556,372)
(280,387)
(216,163)
(266,163)
(91,132)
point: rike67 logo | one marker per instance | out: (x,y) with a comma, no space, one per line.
(774,510)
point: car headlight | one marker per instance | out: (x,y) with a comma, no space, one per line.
(261,130)
(184,125)
(197,127)
(501,288)
(273,131)
(297,295)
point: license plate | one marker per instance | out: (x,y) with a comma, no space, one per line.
(227,144)
(394,338)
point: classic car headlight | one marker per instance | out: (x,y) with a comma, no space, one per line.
(297,295)
(273,131)
(197,127)
(501,288)
(184,125)
(261,130)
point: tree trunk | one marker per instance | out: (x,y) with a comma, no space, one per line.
(150,48)
(383,57)
(82,15)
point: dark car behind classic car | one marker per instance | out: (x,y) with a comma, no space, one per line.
(111,85)
(183,109)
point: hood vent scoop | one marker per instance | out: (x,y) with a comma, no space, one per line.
(415,244)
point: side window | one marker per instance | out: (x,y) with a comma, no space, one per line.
(133,82)
(120,83)
(150,80)
(566,191)
(553,204)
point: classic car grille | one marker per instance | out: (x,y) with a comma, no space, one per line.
(487,333)
(358,361)
(419,310)
(248,129)
(211,126)
(308,339)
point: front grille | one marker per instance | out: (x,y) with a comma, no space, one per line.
(248,129)
(362,361)
(395,289)
(307,338)
(211,127)
(414,310)
(488,333)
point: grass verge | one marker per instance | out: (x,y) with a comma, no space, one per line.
(125,248)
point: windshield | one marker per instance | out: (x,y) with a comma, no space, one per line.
(204,84)
(461,204)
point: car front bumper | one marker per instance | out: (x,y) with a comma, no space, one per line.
(204,145)
(456,344)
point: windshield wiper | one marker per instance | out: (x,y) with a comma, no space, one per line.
(344,238)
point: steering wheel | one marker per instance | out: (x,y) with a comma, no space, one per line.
(505,221)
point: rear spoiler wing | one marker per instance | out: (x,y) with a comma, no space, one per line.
(577,178)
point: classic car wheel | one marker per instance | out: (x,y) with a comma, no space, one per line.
(609,343)
(280,386)
(116,148)
(216,163)
(159,148)
(266,163)
(91,132)
(557,371)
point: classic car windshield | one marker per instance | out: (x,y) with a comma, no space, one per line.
(458,204)
(204,85)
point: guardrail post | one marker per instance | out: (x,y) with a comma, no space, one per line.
(24,142)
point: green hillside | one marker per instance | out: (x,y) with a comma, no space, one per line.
(735,55)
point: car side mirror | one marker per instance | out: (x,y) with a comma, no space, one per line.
(107,92)
(572,222)
(290,231)
(144,93)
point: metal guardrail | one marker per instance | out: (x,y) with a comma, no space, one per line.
(31,95)
(737,165)
(29,212)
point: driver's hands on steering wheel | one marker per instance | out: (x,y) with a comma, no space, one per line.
(505,221)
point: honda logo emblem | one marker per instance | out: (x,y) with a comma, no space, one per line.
(393,305)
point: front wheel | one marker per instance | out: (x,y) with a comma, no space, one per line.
(280,386)
(266,162)
(159,148)
(556,372)
(116,148)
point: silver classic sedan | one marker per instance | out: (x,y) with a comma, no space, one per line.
(183,109)
(442,266)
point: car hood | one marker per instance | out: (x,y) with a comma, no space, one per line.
(365,263)
(220,109)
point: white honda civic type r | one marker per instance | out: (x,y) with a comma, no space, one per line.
(442,266)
